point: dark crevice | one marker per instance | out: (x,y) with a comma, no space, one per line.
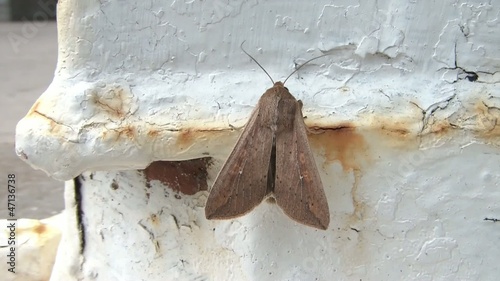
(471,76)
(464,74)
(79,212)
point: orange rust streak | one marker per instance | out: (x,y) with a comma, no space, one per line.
(342,144)
(125,132)
(153,133)
(186,138)
(487,117)
(41,228)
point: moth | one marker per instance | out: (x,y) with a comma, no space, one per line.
(271,158)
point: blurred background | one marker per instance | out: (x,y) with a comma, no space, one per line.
(28,57)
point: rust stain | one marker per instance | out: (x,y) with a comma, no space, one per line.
(54,127)
(153,133)
(393,127)
(189,136)
(186,138)
(440,127)
(487,117)
(155,219)
(342,143)
(393,132)
(40,229)
(396,131)
(34,112)
(345,144)
(114,101)
(127,132)
(187,177)
(359,205)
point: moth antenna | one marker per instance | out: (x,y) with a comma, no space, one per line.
(297,69)
(241,46)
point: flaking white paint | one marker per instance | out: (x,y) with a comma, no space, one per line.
(176,77)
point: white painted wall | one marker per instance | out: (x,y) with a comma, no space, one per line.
(409,157)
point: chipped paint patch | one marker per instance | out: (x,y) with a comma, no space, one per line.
(187,177)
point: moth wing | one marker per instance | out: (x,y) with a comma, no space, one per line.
(241,185)
(298,188)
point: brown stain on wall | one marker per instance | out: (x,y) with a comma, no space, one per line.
(351,146)
(54,127)
(345,142)
(40,229)
(359,205)
(114,101)
(440,128)
(187,137)
(487,116)
(396,130)
(187,177)
(127,132)
(155,220)
(341,143)
(153,133)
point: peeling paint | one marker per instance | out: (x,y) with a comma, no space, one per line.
(187,177)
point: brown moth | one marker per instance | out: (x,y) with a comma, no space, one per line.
(272,157)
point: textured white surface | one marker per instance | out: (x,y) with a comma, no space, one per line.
(129,69)
(408,99)
(413,222)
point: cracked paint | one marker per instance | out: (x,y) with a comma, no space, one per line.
(438,120)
